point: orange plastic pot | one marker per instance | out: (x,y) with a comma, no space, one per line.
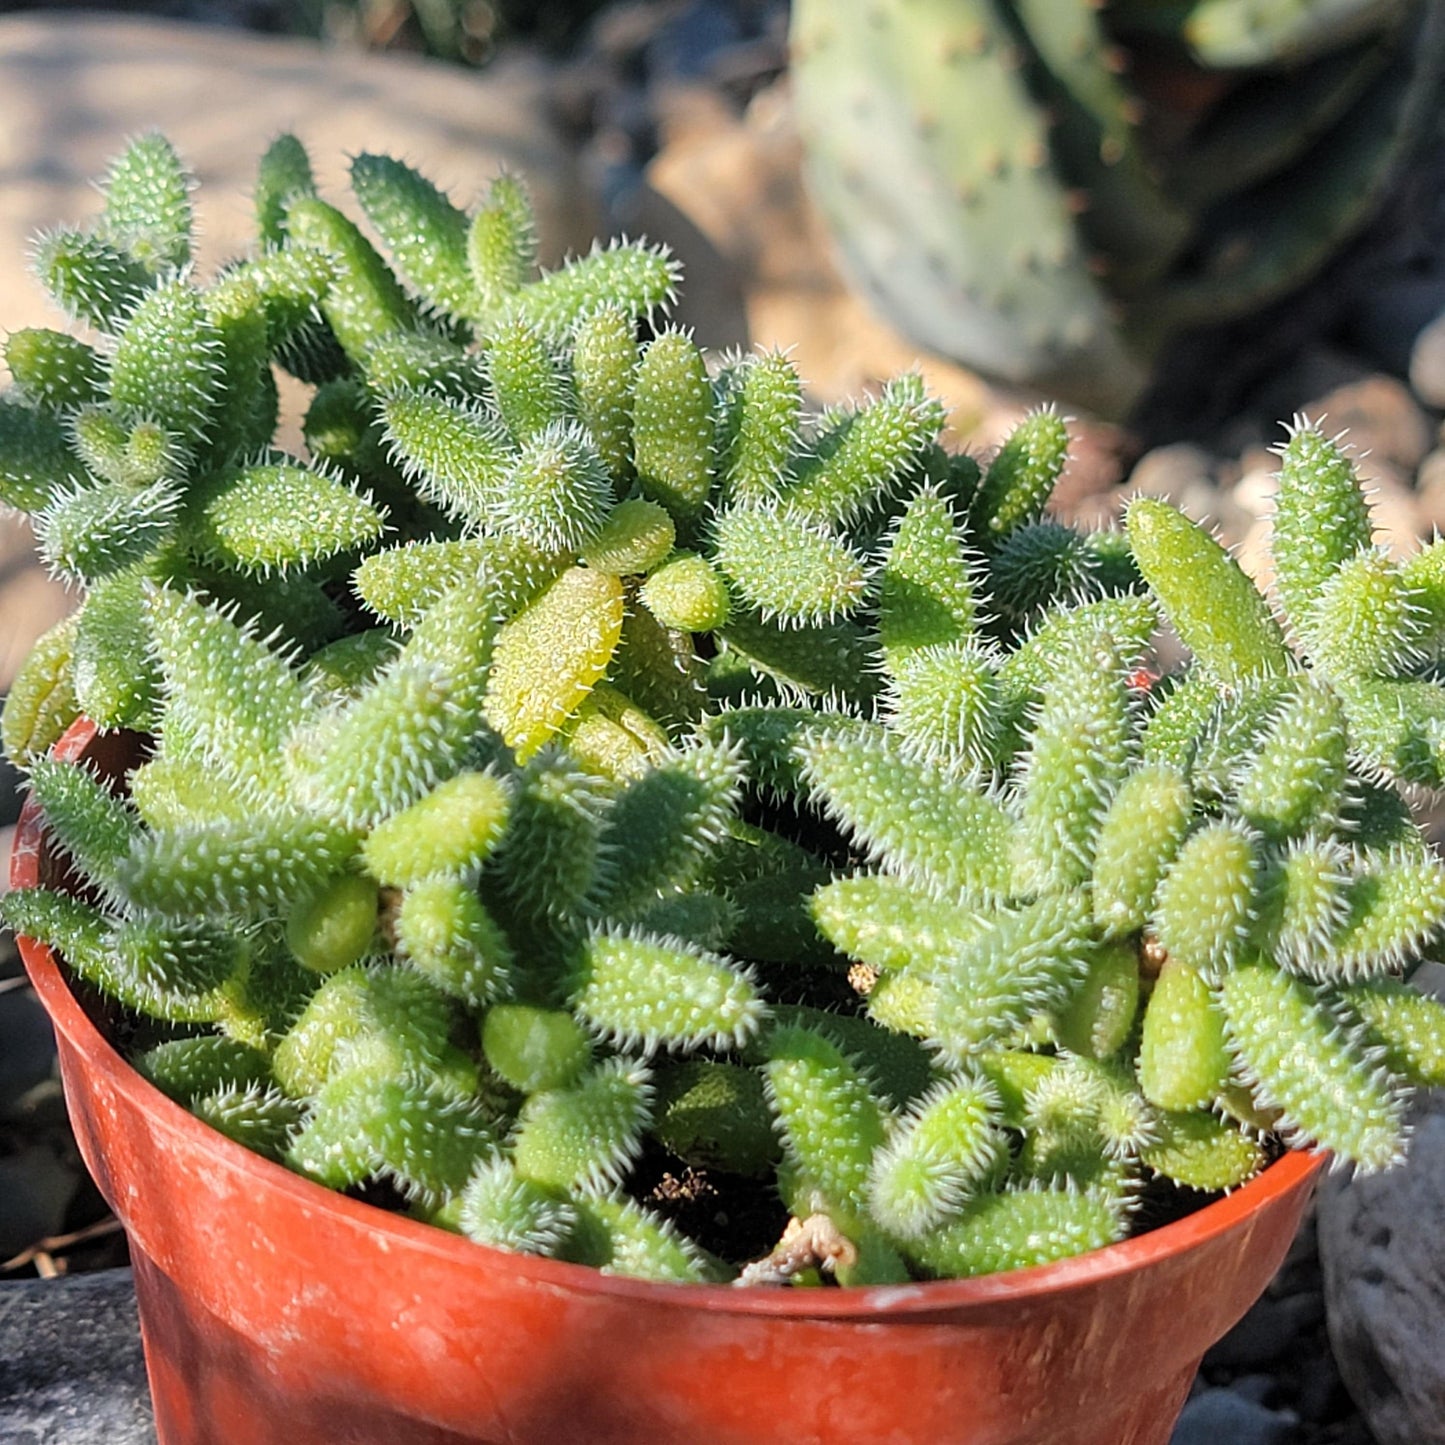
(275,1312)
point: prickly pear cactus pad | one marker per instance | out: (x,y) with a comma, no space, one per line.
(590,800)
(1049,191)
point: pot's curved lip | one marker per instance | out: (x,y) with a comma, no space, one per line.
(1294,1170)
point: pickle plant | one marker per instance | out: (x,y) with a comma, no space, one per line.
(582,768)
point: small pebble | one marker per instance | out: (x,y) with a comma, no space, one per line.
(1257,1389)
(1427,364)
(1221,1417)
(1169,470)
(1255,491)
(1379,419)
(1430,492)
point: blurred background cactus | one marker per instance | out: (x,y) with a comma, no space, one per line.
(1052,193)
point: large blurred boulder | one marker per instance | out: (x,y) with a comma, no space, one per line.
(74,88)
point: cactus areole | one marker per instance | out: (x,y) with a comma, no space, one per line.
(584,807)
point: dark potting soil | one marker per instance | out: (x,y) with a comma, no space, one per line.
(737,1218)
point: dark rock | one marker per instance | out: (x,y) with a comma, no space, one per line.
(685,45)
(1383,1260)
(1188,476)
(27,1044)
(1221,1417)
(71,1370)
(1257,1389)
(1343,1432)
(1383,1256)
(1268,1332)
(1320,1394)
(1391,316)
(36,1187)
(10,790)
(1430,978)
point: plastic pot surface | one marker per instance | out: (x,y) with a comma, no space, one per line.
(276,1312)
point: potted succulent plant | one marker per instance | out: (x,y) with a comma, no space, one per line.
(586,837)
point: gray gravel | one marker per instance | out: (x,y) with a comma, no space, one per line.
(71,1371)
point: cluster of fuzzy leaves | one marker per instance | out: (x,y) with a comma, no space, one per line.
(622,775)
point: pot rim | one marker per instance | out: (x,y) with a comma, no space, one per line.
(1295,1169)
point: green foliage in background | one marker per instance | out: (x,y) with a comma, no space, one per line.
(1050,192)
